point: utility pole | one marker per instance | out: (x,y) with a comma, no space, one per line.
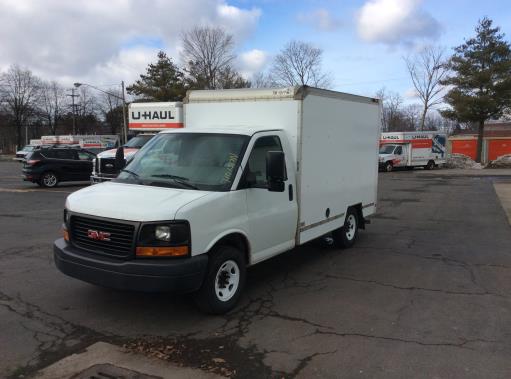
(124,114)
(74,109)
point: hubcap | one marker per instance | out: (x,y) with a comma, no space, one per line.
(50,180)
(227,280)
(351,227)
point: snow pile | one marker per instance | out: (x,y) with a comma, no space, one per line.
(461,161)
(503,161)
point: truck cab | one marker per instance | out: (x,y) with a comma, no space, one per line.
(393,155)
(103,166)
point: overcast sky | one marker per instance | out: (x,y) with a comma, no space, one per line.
(102,42)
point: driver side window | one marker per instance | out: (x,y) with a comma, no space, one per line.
(256,165)
(399,150)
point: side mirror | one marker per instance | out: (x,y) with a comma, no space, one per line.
(119,163)
(275,170)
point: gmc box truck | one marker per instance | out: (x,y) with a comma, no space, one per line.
(254,173)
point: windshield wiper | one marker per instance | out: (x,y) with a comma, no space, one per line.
(178,179)
(132,173)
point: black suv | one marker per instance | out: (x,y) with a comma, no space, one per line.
(50,165)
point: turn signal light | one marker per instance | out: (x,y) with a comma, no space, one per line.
(175,251)
(66,235)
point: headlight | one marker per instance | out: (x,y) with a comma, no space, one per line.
(67,217)
(162,233)
(164,239)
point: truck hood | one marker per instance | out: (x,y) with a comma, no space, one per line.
(131,202)
(385,156)
(128,153)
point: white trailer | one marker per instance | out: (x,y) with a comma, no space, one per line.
(255,173)
(412,149)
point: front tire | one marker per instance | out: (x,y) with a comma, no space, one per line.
(49,179)
(388,166)
(224,281)
(346,236)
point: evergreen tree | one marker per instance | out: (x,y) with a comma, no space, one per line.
(481,84)
(163,81)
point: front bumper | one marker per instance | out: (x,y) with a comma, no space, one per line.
(146,275)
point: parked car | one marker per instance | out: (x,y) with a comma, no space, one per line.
(49,166)
(20,154)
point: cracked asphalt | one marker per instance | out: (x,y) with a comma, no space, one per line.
(426,293)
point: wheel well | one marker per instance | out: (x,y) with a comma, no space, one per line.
(237,240)
(357,208)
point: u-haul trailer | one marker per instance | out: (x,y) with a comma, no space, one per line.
(255,173)
(412,149)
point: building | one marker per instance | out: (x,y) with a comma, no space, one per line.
(496,142)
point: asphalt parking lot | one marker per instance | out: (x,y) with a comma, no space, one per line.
(426,292)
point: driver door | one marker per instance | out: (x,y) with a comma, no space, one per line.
(272,216)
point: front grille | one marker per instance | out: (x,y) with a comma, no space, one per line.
(121,238)
(107,166)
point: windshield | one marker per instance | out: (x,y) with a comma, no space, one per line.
(387,149)
(200,161)
(138,141)
(28,148)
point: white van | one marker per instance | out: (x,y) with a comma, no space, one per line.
(411,149)
(254,173)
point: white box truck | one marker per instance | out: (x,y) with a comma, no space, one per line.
(144,120)
(255,173)
(411,149)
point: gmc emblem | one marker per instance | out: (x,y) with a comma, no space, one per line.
(97,235)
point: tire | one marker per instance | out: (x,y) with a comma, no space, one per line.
(49,179)
(346,236)
(388,166)
(430,166)
(224,281)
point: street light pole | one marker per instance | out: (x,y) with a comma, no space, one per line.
(125,127)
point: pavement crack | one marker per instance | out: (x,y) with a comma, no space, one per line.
(414,288)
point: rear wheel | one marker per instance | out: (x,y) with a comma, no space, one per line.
(430,165)
(346,235)
(389,166)
(49,179)
(224,281)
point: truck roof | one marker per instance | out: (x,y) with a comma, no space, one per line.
(248,130)
(253,94)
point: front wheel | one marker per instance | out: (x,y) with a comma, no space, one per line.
(224,281)
(346,235)
(389,166)
(49,179)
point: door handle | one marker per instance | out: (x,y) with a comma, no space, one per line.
(290,189)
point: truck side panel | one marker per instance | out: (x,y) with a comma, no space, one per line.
(339,162)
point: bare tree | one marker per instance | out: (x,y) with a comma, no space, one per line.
(299,63)
(262,80)
(20,91)
(426,70)
(52,103)
(208,56)
(392,110)
(111,108)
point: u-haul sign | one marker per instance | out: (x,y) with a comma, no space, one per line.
(155,116)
